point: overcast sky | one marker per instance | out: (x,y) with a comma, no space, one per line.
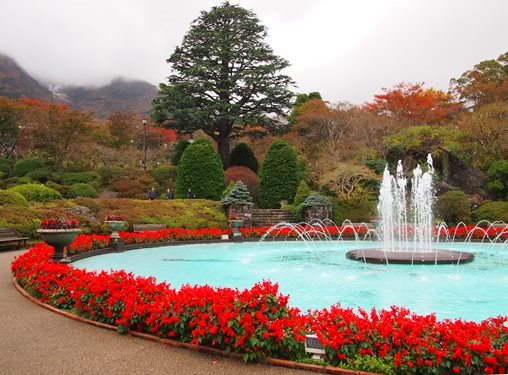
(347,50)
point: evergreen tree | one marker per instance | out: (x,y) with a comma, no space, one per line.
(242,155)
(239,194)
(302,193)
(278,175)
(224,77)
(201,170)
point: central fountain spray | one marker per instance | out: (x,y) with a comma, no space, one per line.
(406,225)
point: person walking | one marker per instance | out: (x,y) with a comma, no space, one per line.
(152,194)
(169,194)
(190,194)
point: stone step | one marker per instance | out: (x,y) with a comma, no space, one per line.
(267,217)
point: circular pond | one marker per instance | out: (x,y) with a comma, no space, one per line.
(317,275)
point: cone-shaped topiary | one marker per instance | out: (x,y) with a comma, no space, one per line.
(278,175)
(239,194)
(302,193)
(242,155)
(200,169)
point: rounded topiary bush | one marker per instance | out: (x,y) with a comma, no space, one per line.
(23,166)
(12,198)
(242,155)
(453,207)
(36,192)
(492,211)
(278,177)
(23,219)
(165,175)
(81,190)
(200,169)
(498,179)
(90,177)
(40,175)
(246,175)
(6,166)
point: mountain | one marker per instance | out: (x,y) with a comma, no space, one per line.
(119,95)
(15,82)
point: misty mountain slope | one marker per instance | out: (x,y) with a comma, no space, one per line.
(15,82)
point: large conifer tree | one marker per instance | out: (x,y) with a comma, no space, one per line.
(224,77)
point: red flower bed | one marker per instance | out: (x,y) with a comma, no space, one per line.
(258,322)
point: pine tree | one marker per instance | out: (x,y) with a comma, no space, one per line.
(239,194)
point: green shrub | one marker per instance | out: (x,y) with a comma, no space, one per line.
(40,175)
(242,155)
(36,192)
(497,177)
(23,219)
(239,194)
(23,166)
(359,206)
(371,364)
(377,165)
(316,200)
(302,169)
(302,192)
(165,176)
(11,198)
(178,151)
(62,189)
(492,211)
(6,166)
(81,190)
(453,207)
(91,177)
(200,168)
(226,191)
(278,177)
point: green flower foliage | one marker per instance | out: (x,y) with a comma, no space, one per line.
(316,200)
(200,168)
(23,166)
(453,207)
(498,179)
(11,198)
(278,176)
(492,211)
(36,192)
(242,155)
(81,190)
(239,194)
(302,193)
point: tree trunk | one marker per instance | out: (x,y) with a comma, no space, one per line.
(223,149)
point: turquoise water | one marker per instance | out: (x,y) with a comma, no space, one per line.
(319,275)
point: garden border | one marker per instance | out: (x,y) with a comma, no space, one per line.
(194,347)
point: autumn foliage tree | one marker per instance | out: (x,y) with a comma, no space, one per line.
(413,103)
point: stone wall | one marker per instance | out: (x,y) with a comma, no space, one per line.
(318,212)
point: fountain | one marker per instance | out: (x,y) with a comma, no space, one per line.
(406,226)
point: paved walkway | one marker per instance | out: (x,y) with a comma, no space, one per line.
(34,340)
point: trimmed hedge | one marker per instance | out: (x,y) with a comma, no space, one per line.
(40,175)
(12,198)
(36,192)
(278,176)
(200,169)
(23,166)
(492,211)
(243,156)
(453,207)
(81,190)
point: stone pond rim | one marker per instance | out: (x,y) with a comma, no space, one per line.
(378,256)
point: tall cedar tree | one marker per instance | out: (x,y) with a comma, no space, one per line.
(278,176)
(201,170)
(224,77)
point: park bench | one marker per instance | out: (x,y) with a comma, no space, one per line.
(147,227)
(8,235)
